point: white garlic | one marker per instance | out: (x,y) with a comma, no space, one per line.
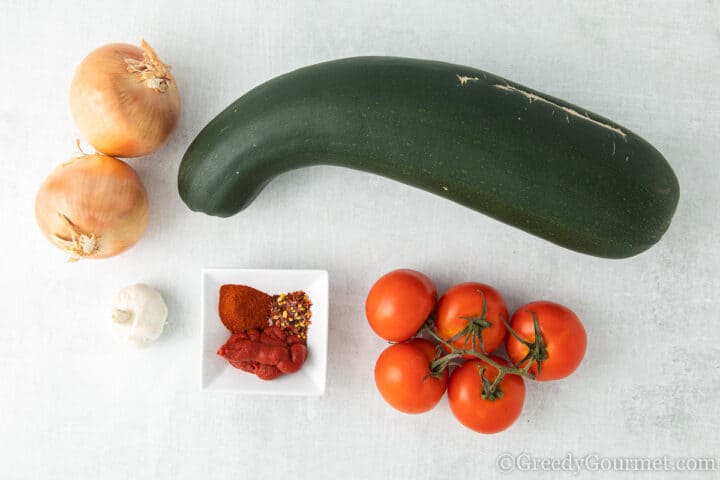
(139,315)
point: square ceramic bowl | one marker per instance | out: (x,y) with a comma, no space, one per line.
(217,374)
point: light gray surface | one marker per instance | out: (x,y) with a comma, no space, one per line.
(74,405)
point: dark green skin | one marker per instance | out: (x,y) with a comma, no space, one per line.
(522,157)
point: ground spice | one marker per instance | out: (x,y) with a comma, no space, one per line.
(291,312)
(242,308)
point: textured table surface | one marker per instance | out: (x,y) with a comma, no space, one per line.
(75,405)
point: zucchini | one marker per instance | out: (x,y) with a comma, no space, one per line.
(518,155)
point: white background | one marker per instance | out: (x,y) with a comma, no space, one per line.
(75,405)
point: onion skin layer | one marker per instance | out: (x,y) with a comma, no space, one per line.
(115,110)
(95,195)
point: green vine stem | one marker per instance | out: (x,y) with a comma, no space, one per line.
(537,352)
(443,362)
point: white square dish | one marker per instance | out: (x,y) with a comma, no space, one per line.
(217,374)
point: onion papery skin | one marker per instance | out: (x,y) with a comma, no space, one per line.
(94,201)
(117,111)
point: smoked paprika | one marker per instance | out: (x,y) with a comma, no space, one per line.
(242,308)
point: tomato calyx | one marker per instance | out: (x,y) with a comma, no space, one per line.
(473,330)
(537,352)
(491,390)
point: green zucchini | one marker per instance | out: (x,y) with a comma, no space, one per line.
(520,156)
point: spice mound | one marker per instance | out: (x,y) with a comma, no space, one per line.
(291,312)
(242,308)
(268,332)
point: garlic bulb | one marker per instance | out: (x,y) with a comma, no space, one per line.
(139,315)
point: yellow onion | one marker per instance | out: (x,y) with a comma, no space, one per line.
(124,100)
(93,206)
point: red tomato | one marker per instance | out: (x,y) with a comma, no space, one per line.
(562,333)
(402,376)
(464,304)
(399,303)
(477,413)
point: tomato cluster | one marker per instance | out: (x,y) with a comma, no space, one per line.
(543,341)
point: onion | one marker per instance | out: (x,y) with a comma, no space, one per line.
(124,100)
(93,206)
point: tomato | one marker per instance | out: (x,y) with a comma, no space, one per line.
(463,304)
(399,303)
(402,376)
(465,395)
(563,337)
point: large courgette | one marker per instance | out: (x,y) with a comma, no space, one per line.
(520,156)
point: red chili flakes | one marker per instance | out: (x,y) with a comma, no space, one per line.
(291,312)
